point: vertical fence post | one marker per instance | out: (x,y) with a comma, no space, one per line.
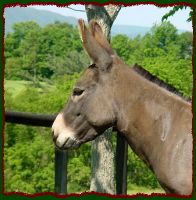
(61,158)
(121,164)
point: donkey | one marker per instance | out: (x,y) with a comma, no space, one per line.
(156,123)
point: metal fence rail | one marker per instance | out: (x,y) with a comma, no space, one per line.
(61,157)
(29,118)
(121,164)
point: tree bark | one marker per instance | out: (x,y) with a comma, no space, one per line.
(104,15)
(102,179)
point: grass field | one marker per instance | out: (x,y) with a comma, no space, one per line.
(134,189)
(14,87)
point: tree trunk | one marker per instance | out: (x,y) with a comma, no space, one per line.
(104,15)
(102,179)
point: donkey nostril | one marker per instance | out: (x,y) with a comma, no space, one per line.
(54,137)
(78,114)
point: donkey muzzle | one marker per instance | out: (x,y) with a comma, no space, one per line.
(63,136)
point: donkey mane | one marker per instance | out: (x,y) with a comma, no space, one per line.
(147,75)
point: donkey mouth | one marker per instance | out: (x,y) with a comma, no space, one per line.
(64,142)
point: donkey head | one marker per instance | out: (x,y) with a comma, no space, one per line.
(90,109)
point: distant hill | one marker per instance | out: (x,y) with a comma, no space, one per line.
(20,14)
(130,31)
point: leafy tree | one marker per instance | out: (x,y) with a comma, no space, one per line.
(185,43)
(122,45)
(28,162)
(20,31)
(176,9)
(163,35)
(35,54)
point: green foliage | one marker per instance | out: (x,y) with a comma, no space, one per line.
(33,53)
(163,35)
(29,164)
(122,45)
(138,173)
(42,65)
(14,87)
(185,43)
(176,9)
(29,151)
(79,169)
(179,75)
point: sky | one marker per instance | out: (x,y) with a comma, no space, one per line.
(139,15)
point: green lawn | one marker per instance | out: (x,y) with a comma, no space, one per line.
(14,87)
(134,189)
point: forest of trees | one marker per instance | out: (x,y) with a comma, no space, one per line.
(41,67)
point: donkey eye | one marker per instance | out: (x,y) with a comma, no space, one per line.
(93,66)
(77,91)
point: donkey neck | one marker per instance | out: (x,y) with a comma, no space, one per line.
(147,112)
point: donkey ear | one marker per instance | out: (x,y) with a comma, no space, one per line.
(96,51)
(97,32)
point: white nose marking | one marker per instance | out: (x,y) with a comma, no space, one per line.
(63,133)
(61,140)
(58,124)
